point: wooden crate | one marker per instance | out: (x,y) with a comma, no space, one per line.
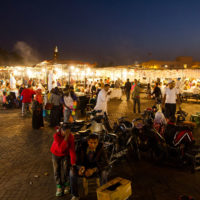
(116,189)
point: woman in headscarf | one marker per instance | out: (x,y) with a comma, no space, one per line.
(55,115)
(37,117)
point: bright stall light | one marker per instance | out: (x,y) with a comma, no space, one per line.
(29,73)
(88,70)
(16,72)
(82,73)
(131,73)
(57,69)
(98,73)
(59,73)
(72,67)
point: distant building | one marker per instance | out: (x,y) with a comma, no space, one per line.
(64,64)
(182,62)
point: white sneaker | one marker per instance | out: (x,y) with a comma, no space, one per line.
(67,190)
(75,198)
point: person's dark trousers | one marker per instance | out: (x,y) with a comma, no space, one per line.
(136,101)
(170,110)
(60,165)
(55,116)
(127,94)
(74,179)
(104,177)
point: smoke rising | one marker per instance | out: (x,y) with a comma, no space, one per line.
(27,53)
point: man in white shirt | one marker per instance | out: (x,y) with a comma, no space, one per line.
(171,94)
(102,99)
(12,81)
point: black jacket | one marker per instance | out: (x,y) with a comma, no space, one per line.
(128,86)
(99,159)
(157,91)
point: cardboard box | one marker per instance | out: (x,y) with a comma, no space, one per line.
(116,189)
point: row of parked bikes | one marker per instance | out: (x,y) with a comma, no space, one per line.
(130,140)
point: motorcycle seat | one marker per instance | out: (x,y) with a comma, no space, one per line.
(182,128)
(87,131)
(79,121)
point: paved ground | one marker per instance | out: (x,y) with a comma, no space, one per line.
(25,153)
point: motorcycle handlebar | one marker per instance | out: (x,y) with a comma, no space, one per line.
(137,119)
(121,118)
(94,112)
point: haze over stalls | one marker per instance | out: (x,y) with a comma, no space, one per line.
(105,31)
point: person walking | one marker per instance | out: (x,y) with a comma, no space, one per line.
(55,100)
(148,92)
(37,108)
(128,89)
(171,94)
(68,105)
(26,95)
(102,99)
(157,93)
(136,97)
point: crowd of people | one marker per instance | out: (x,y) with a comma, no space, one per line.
(62,101)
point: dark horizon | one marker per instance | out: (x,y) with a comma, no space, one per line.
(108,31)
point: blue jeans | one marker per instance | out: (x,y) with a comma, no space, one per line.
(67,114)
(25,108)
(136,101)
(128,94)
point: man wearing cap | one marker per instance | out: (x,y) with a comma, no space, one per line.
(171,94)
(102,99)
(63,146)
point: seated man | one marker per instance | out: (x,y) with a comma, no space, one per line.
(91,162)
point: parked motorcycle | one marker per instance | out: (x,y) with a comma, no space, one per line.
(175,145)
(120,142)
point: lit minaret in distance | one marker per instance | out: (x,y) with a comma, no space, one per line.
(55,55)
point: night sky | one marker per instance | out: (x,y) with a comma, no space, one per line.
(103,31)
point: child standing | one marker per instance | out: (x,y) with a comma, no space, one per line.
(63,146)
(4,100)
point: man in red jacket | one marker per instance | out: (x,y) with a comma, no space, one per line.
(63,146)
(26,96)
